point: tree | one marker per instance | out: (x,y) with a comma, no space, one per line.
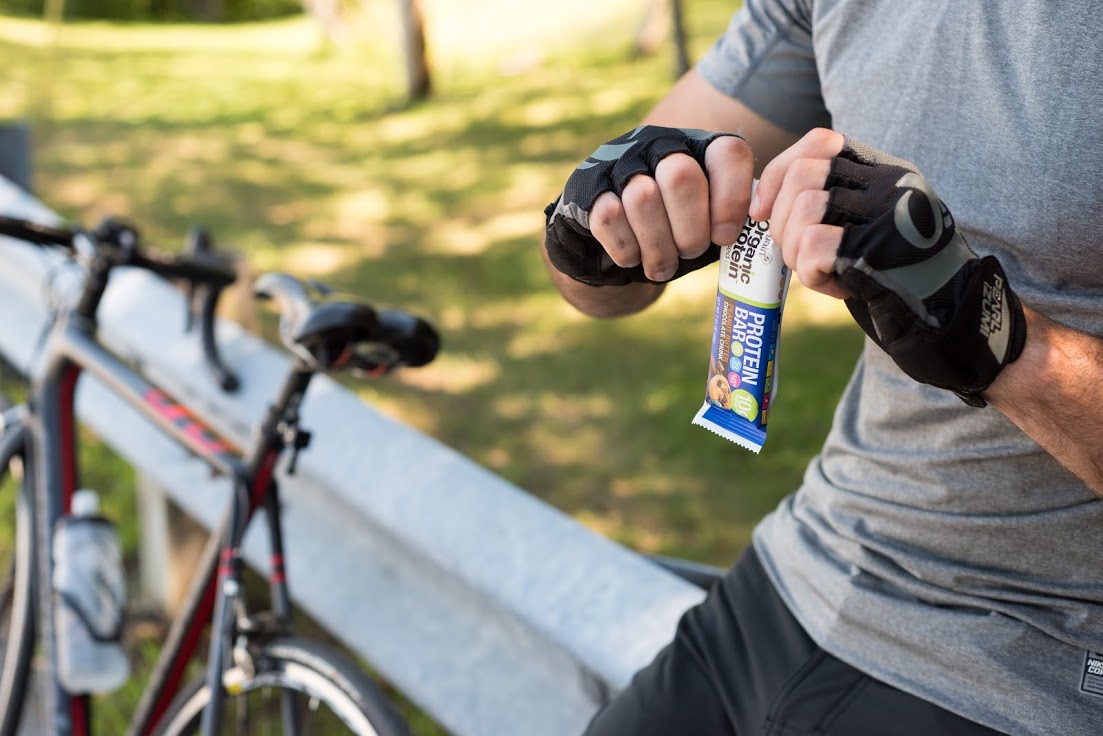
(333,17)
(418,79)
(661,17)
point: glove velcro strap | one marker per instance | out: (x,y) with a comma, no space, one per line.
(986,332)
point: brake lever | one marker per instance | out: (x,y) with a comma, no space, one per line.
(196,243)
(222,373)
(202,301)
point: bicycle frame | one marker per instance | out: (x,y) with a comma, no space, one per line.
(71,351)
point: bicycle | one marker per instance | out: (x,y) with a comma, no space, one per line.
(250,654)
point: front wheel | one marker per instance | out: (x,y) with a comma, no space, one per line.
(290,686)
(16,579)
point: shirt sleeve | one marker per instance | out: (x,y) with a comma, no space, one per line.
(765,59)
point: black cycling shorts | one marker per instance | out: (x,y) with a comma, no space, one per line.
(741,664)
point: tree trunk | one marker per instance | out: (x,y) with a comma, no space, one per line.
(660,18)
(418,79)
(681,47)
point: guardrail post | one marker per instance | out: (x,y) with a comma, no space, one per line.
(170,546)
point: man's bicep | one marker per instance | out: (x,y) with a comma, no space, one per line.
(694,103)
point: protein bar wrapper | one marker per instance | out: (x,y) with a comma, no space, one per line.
(742,378)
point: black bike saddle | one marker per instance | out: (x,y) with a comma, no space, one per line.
(332,331)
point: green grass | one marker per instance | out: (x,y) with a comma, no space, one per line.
(301,156)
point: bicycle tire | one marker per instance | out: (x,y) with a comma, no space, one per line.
(310,671)
(17,630)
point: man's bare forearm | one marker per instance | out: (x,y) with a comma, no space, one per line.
(1054,393)
(603,301)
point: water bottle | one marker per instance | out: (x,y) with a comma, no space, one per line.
(89,599)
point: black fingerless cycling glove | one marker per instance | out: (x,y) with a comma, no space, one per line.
(571,246)
(947,317)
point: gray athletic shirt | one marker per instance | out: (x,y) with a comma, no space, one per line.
(932,545)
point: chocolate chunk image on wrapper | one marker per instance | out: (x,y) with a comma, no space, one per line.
(742,378)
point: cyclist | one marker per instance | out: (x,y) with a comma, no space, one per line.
(939,569)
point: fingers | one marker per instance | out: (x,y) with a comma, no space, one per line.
(820,143)
(730,164)
(815,259)
(805,211)
(685,197)
(679,212)
(791,195)
(635,228)
(609,225)
(805,175)
(810,247)
(643,207)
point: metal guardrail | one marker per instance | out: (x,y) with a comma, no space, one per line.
(491,610)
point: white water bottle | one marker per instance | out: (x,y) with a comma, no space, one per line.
(89,599)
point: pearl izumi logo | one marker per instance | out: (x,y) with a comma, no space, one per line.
(991,307)
(902,215)
(1092,679)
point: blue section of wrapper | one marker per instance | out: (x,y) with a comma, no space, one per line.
(742,370)
(742,376)
(731,427)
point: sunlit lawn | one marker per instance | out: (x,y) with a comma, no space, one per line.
(300,157)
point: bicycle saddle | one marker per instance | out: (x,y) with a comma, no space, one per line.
(333,332)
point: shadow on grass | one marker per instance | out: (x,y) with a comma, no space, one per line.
(438,208)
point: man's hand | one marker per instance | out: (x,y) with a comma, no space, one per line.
(864,226)
(648,206)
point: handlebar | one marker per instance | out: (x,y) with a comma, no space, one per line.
(36,232)
(327,331)
(119,243)
(203,273)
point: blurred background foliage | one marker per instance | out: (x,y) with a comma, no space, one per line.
(294,138)
(158,10)
(305,155)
